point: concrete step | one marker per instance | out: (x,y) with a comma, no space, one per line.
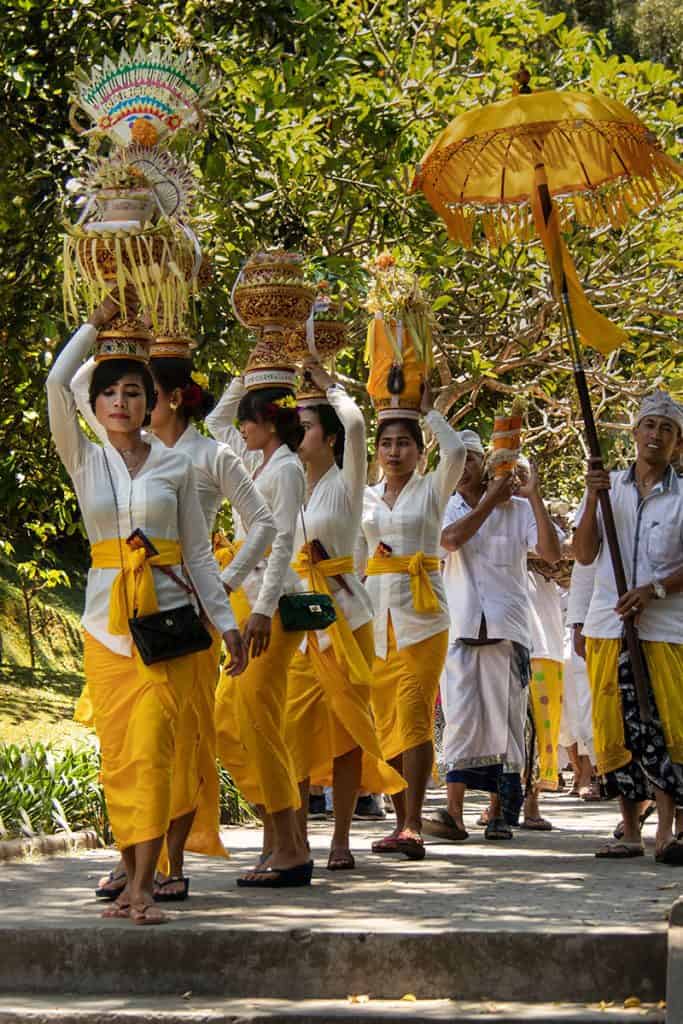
(193,1010)
(92,958)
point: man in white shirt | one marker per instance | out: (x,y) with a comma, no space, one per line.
(488,531)
(647,501)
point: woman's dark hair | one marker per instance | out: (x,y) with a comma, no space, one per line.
(177,373)
(411,427)
(331,426)
(259,407)
(110,371)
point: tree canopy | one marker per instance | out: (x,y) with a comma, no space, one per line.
(325,107)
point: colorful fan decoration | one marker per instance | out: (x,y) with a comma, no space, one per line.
(144,98)
(133,229)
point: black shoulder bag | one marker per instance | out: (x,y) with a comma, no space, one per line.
(308,610)
(173,633)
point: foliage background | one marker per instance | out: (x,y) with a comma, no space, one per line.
(325,107)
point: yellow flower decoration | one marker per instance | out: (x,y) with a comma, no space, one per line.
(201,379)
(288,402)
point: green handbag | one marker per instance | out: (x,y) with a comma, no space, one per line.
(308,610)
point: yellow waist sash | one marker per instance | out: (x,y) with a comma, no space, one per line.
(224,552)
(344,643)
(133,589)
(418,566)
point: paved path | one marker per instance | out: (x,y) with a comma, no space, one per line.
(538,917)
(539,879)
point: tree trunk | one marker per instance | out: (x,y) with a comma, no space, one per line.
(29,629)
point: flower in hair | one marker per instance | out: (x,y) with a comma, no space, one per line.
(286,402)
(192,396)
(200,378)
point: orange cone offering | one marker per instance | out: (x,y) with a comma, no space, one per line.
(506,439)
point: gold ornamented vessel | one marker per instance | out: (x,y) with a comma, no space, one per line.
(271,292)
(117,204)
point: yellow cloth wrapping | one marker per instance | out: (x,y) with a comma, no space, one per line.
(418,566)
(133,589)
(136,713)
(545,691)
(344,643)
(404,694)
(224,551)
(195,774)
(381,351)
(595,329)
(665,667)
(250,720)
(328,715)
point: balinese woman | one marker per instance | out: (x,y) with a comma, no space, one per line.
(123,486)
(250,714)
(220,475)
(329,729)
(401,527)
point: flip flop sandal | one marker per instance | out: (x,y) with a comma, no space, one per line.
(410,846)
(117,910)
(440,823)
(537,825)
(141,915)
(620,851)
(387,845)
(671,854)
(172,897)
(103,892)
(642,818)
(344,861)
(498,828)
(279,878)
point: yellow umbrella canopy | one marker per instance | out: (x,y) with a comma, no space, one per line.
(601,162)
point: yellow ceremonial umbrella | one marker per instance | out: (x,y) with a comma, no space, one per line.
(527,165)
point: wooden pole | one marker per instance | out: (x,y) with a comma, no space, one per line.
(638,665)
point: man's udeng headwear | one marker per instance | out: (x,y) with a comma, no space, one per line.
(472,442)
(660,403)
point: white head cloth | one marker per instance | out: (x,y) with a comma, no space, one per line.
(472,442)
(660,403)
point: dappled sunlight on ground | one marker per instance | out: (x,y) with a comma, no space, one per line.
(549,879)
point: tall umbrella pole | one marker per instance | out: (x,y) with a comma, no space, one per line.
(635,651)
(546,219)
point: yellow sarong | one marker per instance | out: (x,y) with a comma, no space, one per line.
(545,691)
(418,566)
(250,720)
(133,589)
(665,666)
(136,712)
(404,694)
(195,774)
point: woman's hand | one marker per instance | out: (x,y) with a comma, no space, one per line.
(318,374)
(256,634)
(426,402)
(239,654)
(105,312)
(579,640)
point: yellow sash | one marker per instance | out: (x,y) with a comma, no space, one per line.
(133,589)
(344,643)
(418,566)
(224,551)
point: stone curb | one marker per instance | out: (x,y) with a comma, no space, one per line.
(237,963)
(314,1011)
(48,846)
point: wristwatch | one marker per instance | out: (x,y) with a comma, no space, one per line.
(658,589)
